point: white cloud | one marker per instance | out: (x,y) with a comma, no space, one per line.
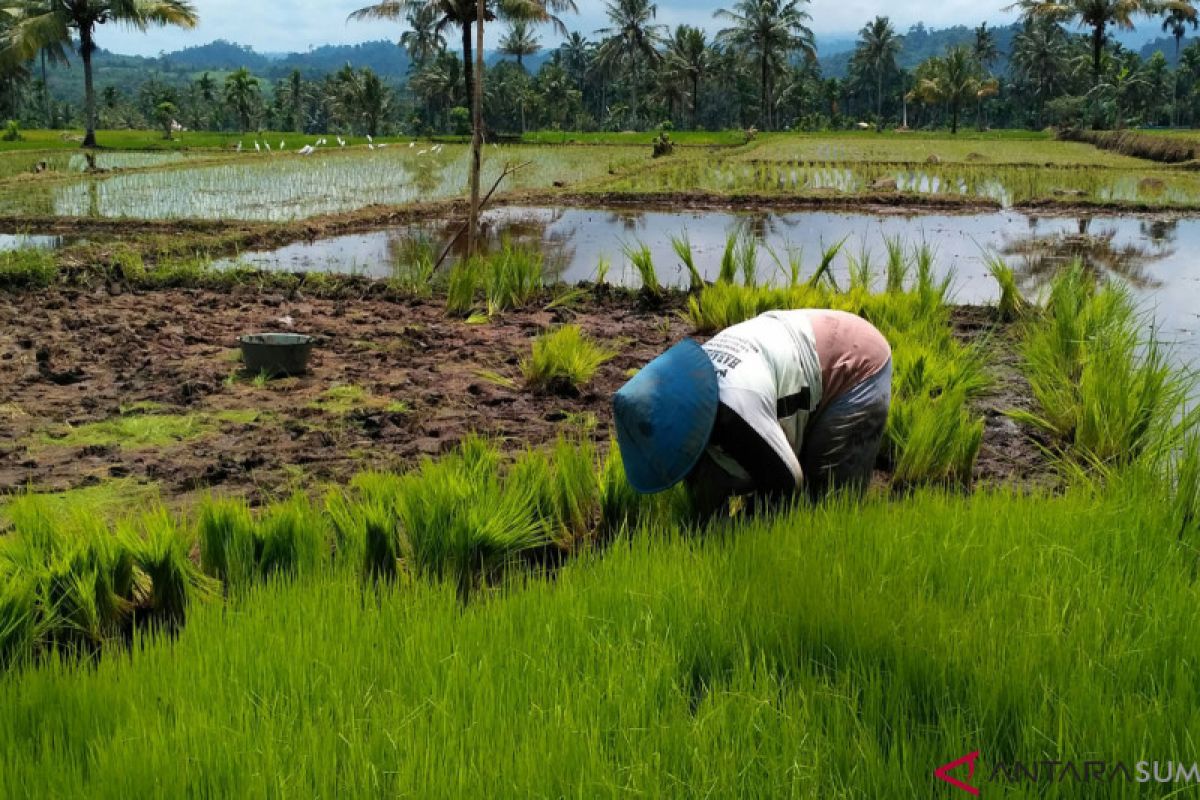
(301,24)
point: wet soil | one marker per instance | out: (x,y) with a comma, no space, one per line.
(71,357)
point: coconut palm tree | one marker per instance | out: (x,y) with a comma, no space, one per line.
(984,47)
(953,80)
(241,92)
(690,58)
(520,41)
(423,40)
(877,49)
(631,41)
(1176,22)
(1039,60)
(770,31)
(463,14)
(39,25)
(1099,15)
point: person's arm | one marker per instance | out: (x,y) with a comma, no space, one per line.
(748,431)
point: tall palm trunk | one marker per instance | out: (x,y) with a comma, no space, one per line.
(695,98)
(762,99)
(86,47)
(1097,51)
(879,99)
(468,67)
(1175,84)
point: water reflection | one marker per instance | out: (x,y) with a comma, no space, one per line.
(1152,255)
(1041,256)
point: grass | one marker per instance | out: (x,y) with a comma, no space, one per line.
(564,360)
(347,398)
(642,260)
(27,269)
(105,500)
(511,277)
(136,431)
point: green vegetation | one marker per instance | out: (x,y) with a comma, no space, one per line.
(344,399)
(564,360)
(508,278)
(27,269)
(136,430)
(1101,388)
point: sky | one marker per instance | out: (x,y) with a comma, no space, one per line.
(311,23)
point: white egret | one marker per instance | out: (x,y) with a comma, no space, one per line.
(308,149)
(268,146)
(257,147)
(239,147)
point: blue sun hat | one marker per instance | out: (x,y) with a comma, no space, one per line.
(665,416)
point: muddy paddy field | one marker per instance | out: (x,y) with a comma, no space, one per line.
(147,387)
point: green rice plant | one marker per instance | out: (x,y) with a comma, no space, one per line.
(747,257)
(862,272)
(413,268)
(160,553)
(1100,389)
(27,269)
(381,543)
(461,288)
(933,293)
(228,542)
(566,489)
(346,523)
(1011,305)
(790,264)
(828,254)
(18,619)
(564,360)
(898,265)
(602,269)
(729,262)
(643,263)
(1184,478)
(683,249)
(933,440)
(292,537)
(512,278)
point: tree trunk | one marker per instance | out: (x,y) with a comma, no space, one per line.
(477,138)
(763,91)
(468,68)
(879,100)
(1097,51)
(86,47)
(695,98)
(1175,85)
(953,118)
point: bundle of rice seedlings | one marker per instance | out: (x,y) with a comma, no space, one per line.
(172,581)
(565,487)
(683,248)
(461,287)
(1011,305)
(747,257)
(293,538)
(18,619)
(564,360)
(643,262)
(512,278)
(229,545)
(790,264)
(729,263)
(934,440)
(898,265)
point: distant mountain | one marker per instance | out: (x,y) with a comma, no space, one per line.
(1167,45)
(920,43)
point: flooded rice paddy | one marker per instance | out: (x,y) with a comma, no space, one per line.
(1154,256)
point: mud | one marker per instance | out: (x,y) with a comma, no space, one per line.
(70,357)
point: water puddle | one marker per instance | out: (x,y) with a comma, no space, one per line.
(31,241)
(1154,256)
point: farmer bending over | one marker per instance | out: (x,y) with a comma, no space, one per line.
(786,400)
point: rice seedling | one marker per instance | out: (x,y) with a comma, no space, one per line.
(934,440)
(461,288)
(602,269)
(729,263)
(293,538)
(1100,389)
(898,265)
(828,254)
(565,486)
(790,264)
(643,263)
(160,553)
(227,541)
(413,269)
(1011,305)
(862,271)
(564,360)
(512,277)
(683,249)
(747,258)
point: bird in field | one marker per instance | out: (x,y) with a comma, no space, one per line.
(370,139)
(411,145)
(239,147)
(370,146)
(282,144)
(308,149)
(257,148)
(341,142)
(385,144)
(422,152)
(268,146)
